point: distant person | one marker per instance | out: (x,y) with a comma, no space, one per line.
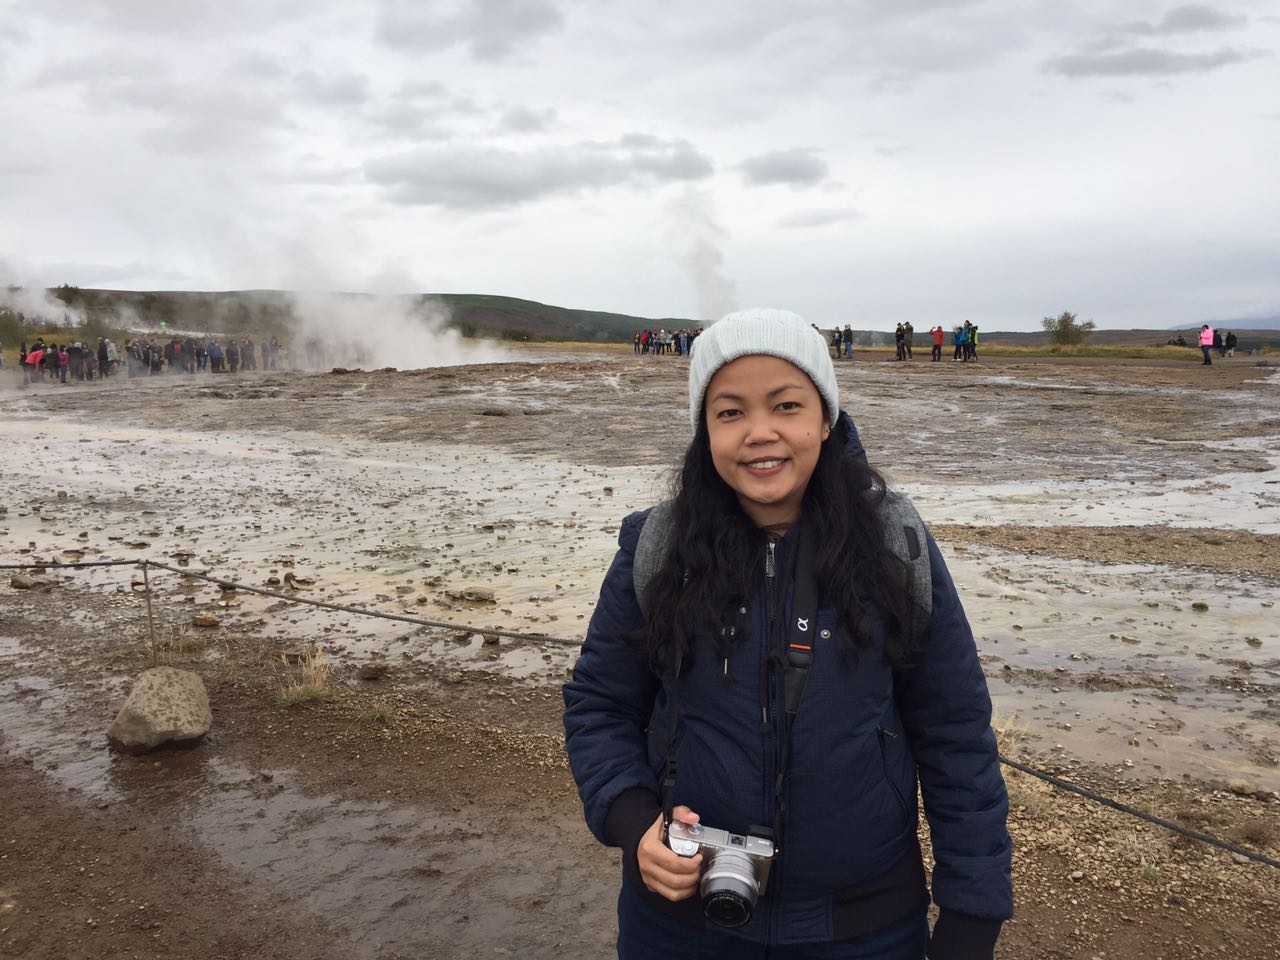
(1231,342)
(1217,344)
(32,360)
(899,339)
(1206,344)
(846,337)
(973,342)
(908,334)
(836,340)
(233,354)
(938,335)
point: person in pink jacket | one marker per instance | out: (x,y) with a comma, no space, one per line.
(1206,343)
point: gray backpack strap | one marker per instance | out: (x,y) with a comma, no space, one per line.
(655,536)
(905,533)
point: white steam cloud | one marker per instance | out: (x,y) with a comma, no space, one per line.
(696,233)
(380,330)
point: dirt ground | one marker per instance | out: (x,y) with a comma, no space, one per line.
(1083,507)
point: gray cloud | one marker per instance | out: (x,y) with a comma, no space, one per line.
(333,89)
(473,176)
(1147,62)
(100,68)
(526,120)
(490,29)
(797,167)
(804,219)
(421,110)
(1194,18)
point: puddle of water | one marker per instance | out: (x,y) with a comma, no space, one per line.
(32,717)
(399,877)
(1091,656)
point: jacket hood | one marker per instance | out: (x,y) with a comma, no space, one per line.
(852,442)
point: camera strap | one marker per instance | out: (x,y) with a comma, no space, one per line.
(669,773)
(802,630)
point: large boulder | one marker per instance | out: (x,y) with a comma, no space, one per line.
(166,705)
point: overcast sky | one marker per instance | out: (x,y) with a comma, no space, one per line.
(860,161)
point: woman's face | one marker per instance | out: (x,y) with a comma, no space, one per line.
(766,427)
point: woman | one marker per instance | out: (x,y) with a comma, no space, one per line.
(683,709)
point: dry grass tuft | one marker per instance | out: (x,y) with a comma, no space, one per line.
(314,679)
(1260,833)
(380,712)
(1008,731)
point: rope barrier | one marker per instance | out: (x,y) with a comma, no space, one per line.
(1048,778)
(361,611)
(1141,814)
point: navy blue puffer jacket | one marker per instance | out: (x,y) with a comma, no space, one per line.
(865,737)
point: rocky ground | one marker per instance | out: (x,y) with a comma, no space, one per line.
(429,812)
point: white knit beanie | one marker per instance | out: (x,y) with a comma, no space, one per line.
(761,330)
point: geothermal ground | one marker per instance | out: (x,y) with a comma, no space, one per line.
(1113,527)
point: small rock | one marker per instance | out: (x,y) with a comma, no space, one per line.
(374,670)
(472,595)
(21,581)
(452,678)
(491,640)
(1240,788)
(1200,606)
(206,620)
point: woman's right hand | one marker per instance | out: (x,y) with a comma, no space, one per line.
(664,871)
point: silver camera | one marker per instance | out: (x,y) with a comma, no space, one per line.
(735,871)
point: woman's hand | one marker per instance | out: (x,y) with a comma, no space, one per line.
(663,870)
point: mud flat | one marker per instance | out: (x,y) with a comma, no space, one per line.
(1117,558)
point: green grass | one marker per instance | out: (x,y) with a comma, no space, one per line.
(1112,352)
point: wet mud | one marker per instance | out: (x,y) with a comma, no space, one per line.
(1117,560)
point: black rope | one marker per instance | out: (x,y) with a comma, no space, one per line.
(1141,814)
(542,638)
(346,608)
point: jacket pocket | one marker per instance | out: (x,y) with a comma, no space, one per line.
(886,739)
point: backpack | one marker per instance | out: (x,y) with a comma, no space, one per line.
(904,531)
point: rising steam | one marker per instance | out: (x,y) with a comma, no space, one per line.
(696,233)
(380,330)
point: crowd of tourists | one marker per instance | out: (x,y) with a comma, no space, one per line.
(964,340)
(146,356)
(678,342)
(1212,341)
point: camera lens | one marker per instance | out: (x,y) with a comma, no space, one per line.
(729,888)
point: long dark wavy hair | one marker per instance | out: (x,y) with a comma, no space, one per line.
(716,553)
